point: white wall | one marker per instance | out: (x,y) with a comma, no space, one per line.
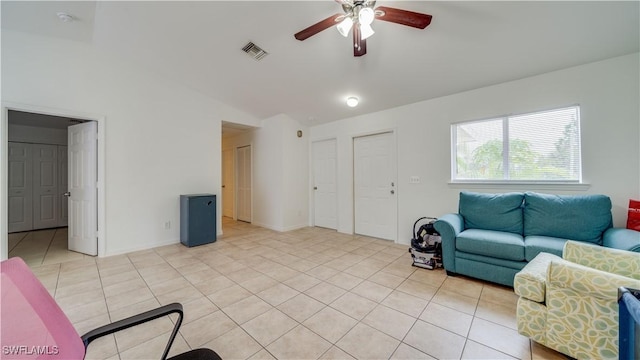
(295,175)
(607,92)
(280,172)
(162,139)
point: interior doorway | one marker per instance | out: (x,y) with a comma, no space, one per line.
(236,204)
(45,201)
(374,183)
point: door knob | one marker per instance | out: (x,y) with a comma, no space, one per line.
(315,188)
(223,186)
(393,192)
(67,194)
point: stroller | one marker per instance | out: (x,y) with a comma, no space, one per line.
(426,245)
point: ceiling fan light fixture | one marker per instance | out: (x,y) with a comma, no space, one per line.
(366,31)
(352,101)
(345,26)
(366,16)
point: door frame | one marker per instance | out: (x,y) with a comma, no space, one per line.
(312,201)
(4,163)
(394,157)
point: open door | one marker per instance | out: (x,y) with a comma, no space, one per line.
(83,189)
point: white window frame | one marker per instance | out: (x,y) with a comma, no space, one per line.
(576,184)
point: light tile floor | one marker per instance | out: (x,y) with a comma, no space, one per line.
(306,294)
(41,247)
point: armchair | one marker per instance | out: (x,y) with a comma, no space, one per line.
(570,304)
(34,326)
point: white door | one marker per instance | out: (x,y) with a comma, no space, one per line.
(45,186)
(243,167)
(20,186)
(374,177)
(63,173)
(324,184)
(227,183)
(82,180)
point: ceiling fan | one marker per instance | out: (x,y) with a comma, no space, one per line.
(358,16)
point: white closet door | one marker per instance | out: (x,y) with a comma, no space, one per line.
(374,176)
(324,180)
(45,186)
(63,203)
(20,187)
(244,183)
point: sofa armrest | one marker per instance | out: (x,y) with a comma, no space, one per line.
(615,261)
(449,226)
(623,239)
(586,281)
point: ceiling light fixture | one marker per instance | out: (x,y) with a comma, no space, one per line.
(360,15)
(352,101)
(345,26)
(365,16)
(64,17)
(366,31)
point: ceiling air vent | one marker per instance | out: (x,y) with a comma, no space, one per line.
(254,51)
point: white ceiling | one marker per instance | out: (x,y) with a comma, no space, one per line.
(468,45)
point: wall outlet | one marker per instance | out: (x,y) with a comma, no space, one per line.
(167,225)
(414,179)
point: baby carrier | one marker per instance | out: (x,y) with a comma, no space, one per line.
(426,245)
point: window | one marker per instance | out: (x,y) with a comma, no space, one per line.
(541,146)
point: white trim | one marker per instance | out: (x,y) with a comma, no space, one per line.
(4,139)
(143,246)
(510,185)
(280,228)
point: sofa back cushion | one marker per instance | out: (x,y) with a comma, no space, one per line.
(499,212)
(576,217)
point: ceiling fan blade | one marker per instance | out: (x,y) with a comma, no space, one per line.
(404,17)
(359,45)
(317,27)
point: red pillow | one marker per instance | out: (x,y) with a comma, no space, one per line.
(633,219)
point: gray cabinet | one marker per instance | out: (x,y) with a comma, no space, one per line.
(197,219)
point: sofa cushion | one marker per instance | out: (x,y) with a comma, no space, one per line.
(499,212)
(530,281)
(533,245)
(577,217)
(497,244)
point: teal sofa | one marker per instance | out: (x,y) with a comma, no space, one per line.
(493,236)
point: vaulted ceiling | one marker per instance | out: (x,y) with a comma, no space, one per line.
(468,45)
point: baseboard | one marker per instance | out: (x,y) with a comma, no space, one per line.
(280,229)
(295,227)
(145,246)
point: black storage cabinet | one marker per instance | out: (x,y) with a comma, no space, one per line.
(197,219)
